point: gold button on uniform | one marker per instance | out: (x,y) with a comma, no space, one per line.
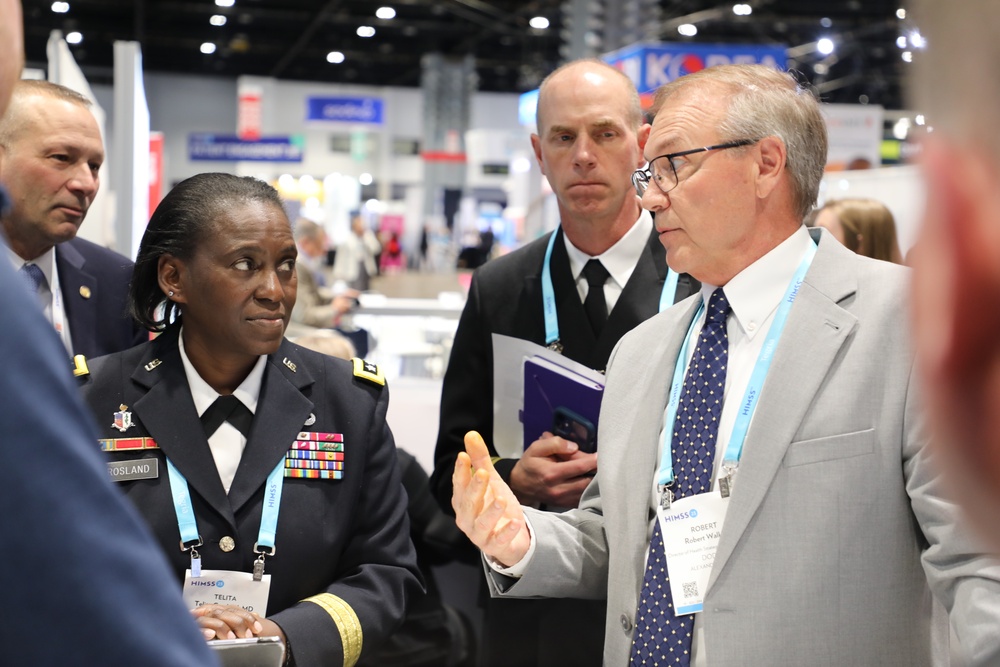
(227,544)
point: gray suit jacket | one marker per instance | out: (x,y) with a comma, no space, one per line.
(837,530)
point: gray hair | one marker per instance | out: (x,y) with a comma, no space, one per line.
(13,121)
(764,103)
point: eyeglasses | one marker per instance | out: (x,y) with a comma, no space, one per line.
(667,179)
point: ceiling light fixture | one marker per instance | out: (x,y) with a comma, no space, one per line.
(366,31)
(335,57)
(688,29)
(742,9)
(385,13)
(60,7)
(217,20)
(74,37)
(208,48)
(225,3)
(825,46)
(539,23)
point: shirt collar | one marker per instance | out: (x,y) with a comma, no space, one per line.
(46,262)
(756,291)
(621,258)
(248,392)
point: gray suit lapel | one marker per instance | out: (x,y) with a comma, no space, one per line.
(817,328)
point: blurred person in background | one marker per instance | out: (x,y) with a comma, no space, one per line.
(956,261)
(257,463)
(864,226)
(83,581)
(355,260)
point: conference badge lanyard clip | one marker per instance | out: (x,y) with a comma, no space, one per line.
(692,526)
(552,342)
(249,590)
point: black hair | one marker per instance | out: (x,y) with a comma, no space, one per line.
(176,227)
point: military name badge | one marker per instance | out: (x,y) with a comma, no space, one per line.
(127,471)
(316,455)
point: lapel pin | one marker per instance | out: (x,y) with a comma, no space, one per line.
(290,365)
(153,364)
(311,420)
(123,419)
(84,291)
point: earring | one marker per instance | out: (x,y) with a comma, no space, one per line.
(170,293)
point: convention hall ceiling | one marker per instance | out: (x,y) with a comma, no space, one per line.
(291,39)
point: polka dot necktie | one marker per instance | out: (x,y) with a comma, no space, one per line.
(661,638)
(33,277)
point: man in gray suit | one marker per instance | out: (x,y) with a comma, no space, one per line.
(791,500)
(956,282)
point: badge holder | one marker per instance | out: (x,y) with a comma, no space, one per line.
(192,546)
(258,565)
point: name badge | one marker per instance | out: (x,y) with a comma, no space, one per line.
(126,471)
(228,588)
(692,528)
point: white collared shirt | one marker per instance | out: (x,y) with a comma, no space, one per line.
(619,260)
(227,443)
(50,295)
(754,295)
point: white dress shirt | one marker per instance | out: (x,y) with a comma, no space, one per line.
(619,260)
(754,295)
(227,443)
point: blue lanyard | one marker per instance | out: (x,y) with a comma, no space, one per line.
(734,450)
(191,539)
(667,296)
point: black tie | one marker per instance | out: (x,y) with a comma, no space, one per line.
(595,306)
(227,409)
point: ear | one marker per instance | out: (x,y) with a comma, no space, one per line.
(170,274)
(770,165)
(536,145)
(643,136)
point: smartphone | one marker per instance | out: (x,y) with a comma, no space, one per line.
(574,426)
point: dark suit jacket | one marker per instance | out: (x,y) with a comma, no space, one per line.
(85,562)
(506,298)
(94,283)
(347,538)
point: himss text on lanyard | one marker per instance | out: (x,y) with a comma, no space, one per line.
(667,296)
(734,450)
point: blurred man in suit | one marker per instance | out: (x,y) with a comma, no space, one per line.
(957,260)
(590,138)
(83,583)
(50,154)
(811,535)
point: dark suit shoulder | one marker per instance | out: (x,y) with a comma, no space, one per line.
(526,260)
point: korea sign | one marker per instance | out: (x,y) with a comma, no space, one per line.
(345,109)
(650,65)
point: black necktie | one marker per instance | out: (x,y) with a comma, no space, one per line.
(595,306)
(227,409)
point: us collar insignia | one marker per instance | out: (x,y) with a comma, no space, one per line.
(368,371)
(123,419)
(153,364)
(292,367)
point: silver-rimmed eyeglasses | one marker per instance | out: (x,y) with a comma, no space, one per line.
(662,170)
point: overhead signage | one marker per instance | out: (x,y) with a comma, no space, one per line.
(227,148)
(652,64)
(345,110)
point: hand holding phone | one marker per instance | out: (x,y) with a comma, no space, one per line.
(575,427)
